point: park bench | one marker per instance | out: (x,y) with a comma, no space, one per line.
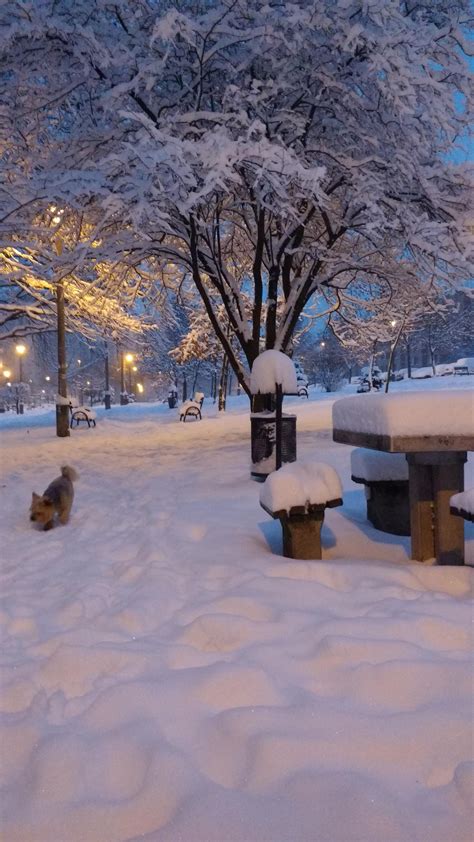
(303,391)
(288,496)
(190,409)
(82,413)
(462,504)
(385,477)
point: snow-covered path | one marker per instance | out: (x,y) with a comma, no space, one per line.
(167,677)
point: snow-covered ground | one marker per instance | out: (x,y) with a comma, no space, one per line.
(168,676)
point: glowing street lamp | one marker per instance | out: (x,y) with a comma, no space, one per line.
(129,359)
(47,378)
(21,351)
(6,373)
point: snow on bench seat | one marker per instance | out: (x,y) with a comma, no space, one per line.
(462,504)
(300,485)
(90,413)
(378,466)
(433,413)
(189,408)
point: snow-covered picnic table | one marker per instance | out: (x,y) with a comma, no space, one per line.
(435,431)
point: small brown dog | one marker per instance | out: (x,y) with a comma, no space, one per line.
(58,498)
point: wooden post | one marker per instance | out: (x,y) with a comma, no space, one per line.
(62,410)
(421,509)
(278,425)
(448,479)
(433,478)
(302,535)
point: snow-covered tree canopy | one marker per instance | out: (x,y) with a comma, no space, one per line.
(58,246)
(272,149)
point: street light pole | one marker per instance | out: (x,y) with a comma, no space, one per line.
(107,378)
(123,396)
(20,349)
(62,409)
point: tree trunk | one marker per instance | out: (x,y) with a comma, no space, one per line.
(185,388)
(270,332)
(391,356)
(196,375)
(432,355)
(371,366)
(223,383)
(408,358)
(107,378)
(62,410)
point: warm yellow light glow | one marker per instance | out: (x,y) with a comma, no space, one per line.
(393,323)
(9,384)
(6,372)
(20,349)
(1,365)
(48,378)
(129,358)
(78,362)
(134,368)
(140,388)
(43,391)
(52,208)
(56,219)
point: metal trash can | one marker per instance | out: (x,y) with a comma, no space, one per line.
(263,442)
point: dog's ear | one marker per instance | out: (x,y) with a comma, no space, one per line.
(35,497)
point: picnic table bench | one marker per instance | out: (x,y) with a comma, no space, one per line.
(301,523)
(434,430)
(462,505)
(385,477)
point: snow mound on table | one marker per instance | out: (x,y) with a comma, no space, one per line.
(464,501)
(300,484)
(377,466)
(272,368)
(410,414)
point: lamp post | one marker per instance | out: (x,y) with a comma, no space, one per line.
(123,394)
(129,360)
(62,408)
(20,350)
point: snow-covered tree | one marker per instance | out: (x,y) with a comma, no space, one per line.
(271,150)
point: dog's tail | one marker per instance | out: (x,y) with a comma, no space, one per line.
(69,473)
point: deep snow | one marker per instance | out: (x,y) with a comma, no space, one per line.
(167,676)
